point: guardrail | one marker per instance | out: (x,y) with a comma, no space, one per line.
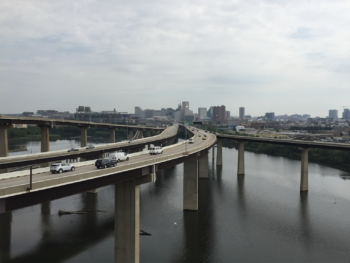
(51,183)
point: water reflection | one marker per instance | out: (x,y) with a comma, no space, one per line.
(45,219)
(5,236)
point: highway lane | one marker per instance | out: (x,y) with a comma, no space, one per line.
(144,157)
(170,131)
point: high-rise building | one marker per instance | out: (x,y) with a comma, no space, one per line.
(346,114)
(185,108)
(202,112)
(228,114)
(219,113)
(333,114)
(149,113)
(139,112)
(210,113)
(241,113)
(270,116)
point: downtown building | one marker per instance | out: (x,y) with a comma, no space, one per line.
(219,113)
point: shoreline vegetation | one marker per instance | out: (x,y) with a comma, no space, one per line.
(291,152)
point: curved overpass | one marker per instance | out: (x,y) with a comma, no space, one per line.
(43,157)
(142,166)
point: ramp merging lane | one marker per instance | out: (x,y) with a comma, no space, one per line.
(17,186)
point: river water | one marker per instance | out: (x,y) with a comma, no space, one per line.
(258,217)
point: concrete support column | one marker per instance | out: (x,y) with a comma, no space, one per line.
(140,134)
(131,134)
(213,153)
(219,152)
(240,168)
(190,189)
(83,136)
(203,170)
(112,135)
(127,222)
(4,149)
(45,144)
(148,133)
(304,178)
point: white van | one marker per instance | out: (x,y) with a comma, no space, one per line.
(119,156)
(191,140)
(155,150)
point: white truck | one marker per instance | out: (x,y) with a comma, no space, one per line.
(155,150)
(191,140)
(119,156)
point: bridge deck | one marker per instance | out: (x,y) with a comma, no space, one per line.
(298,143)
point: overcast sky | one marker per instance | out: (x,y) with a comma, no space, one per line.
(269,55)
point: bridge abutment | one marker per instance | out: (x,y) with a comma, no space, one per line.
(240,167)
(304,177)
(219,152)
(190,188)
(203,170)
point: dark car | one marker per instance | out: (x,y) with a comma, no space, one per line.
(104,163)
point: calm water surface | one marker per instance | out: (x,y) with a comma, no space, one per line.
(258,217)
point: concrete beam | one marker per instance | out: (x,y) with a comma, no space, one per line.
(83,136)
(190,188)
(240,168)
(219,152)
(203,170)
(304,176)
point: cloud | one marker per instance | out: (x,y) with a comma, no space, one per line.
(183,48)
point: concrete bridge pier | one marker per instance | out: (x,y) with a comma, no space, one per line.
(112,135)
(304,178)
(240,168)
(131,134)
(83,136)
(148,133)
(45,143)
(4,149)
(219,153)
(203,170)
(190,188)
(127,219)
(213,153)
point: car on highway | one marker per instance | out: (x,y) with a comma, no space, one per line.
(191,140)
(61,167)
(204,138)
(131,141)
(90,147)
(73,150)
(155,150)
(119,156)
(104,163)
